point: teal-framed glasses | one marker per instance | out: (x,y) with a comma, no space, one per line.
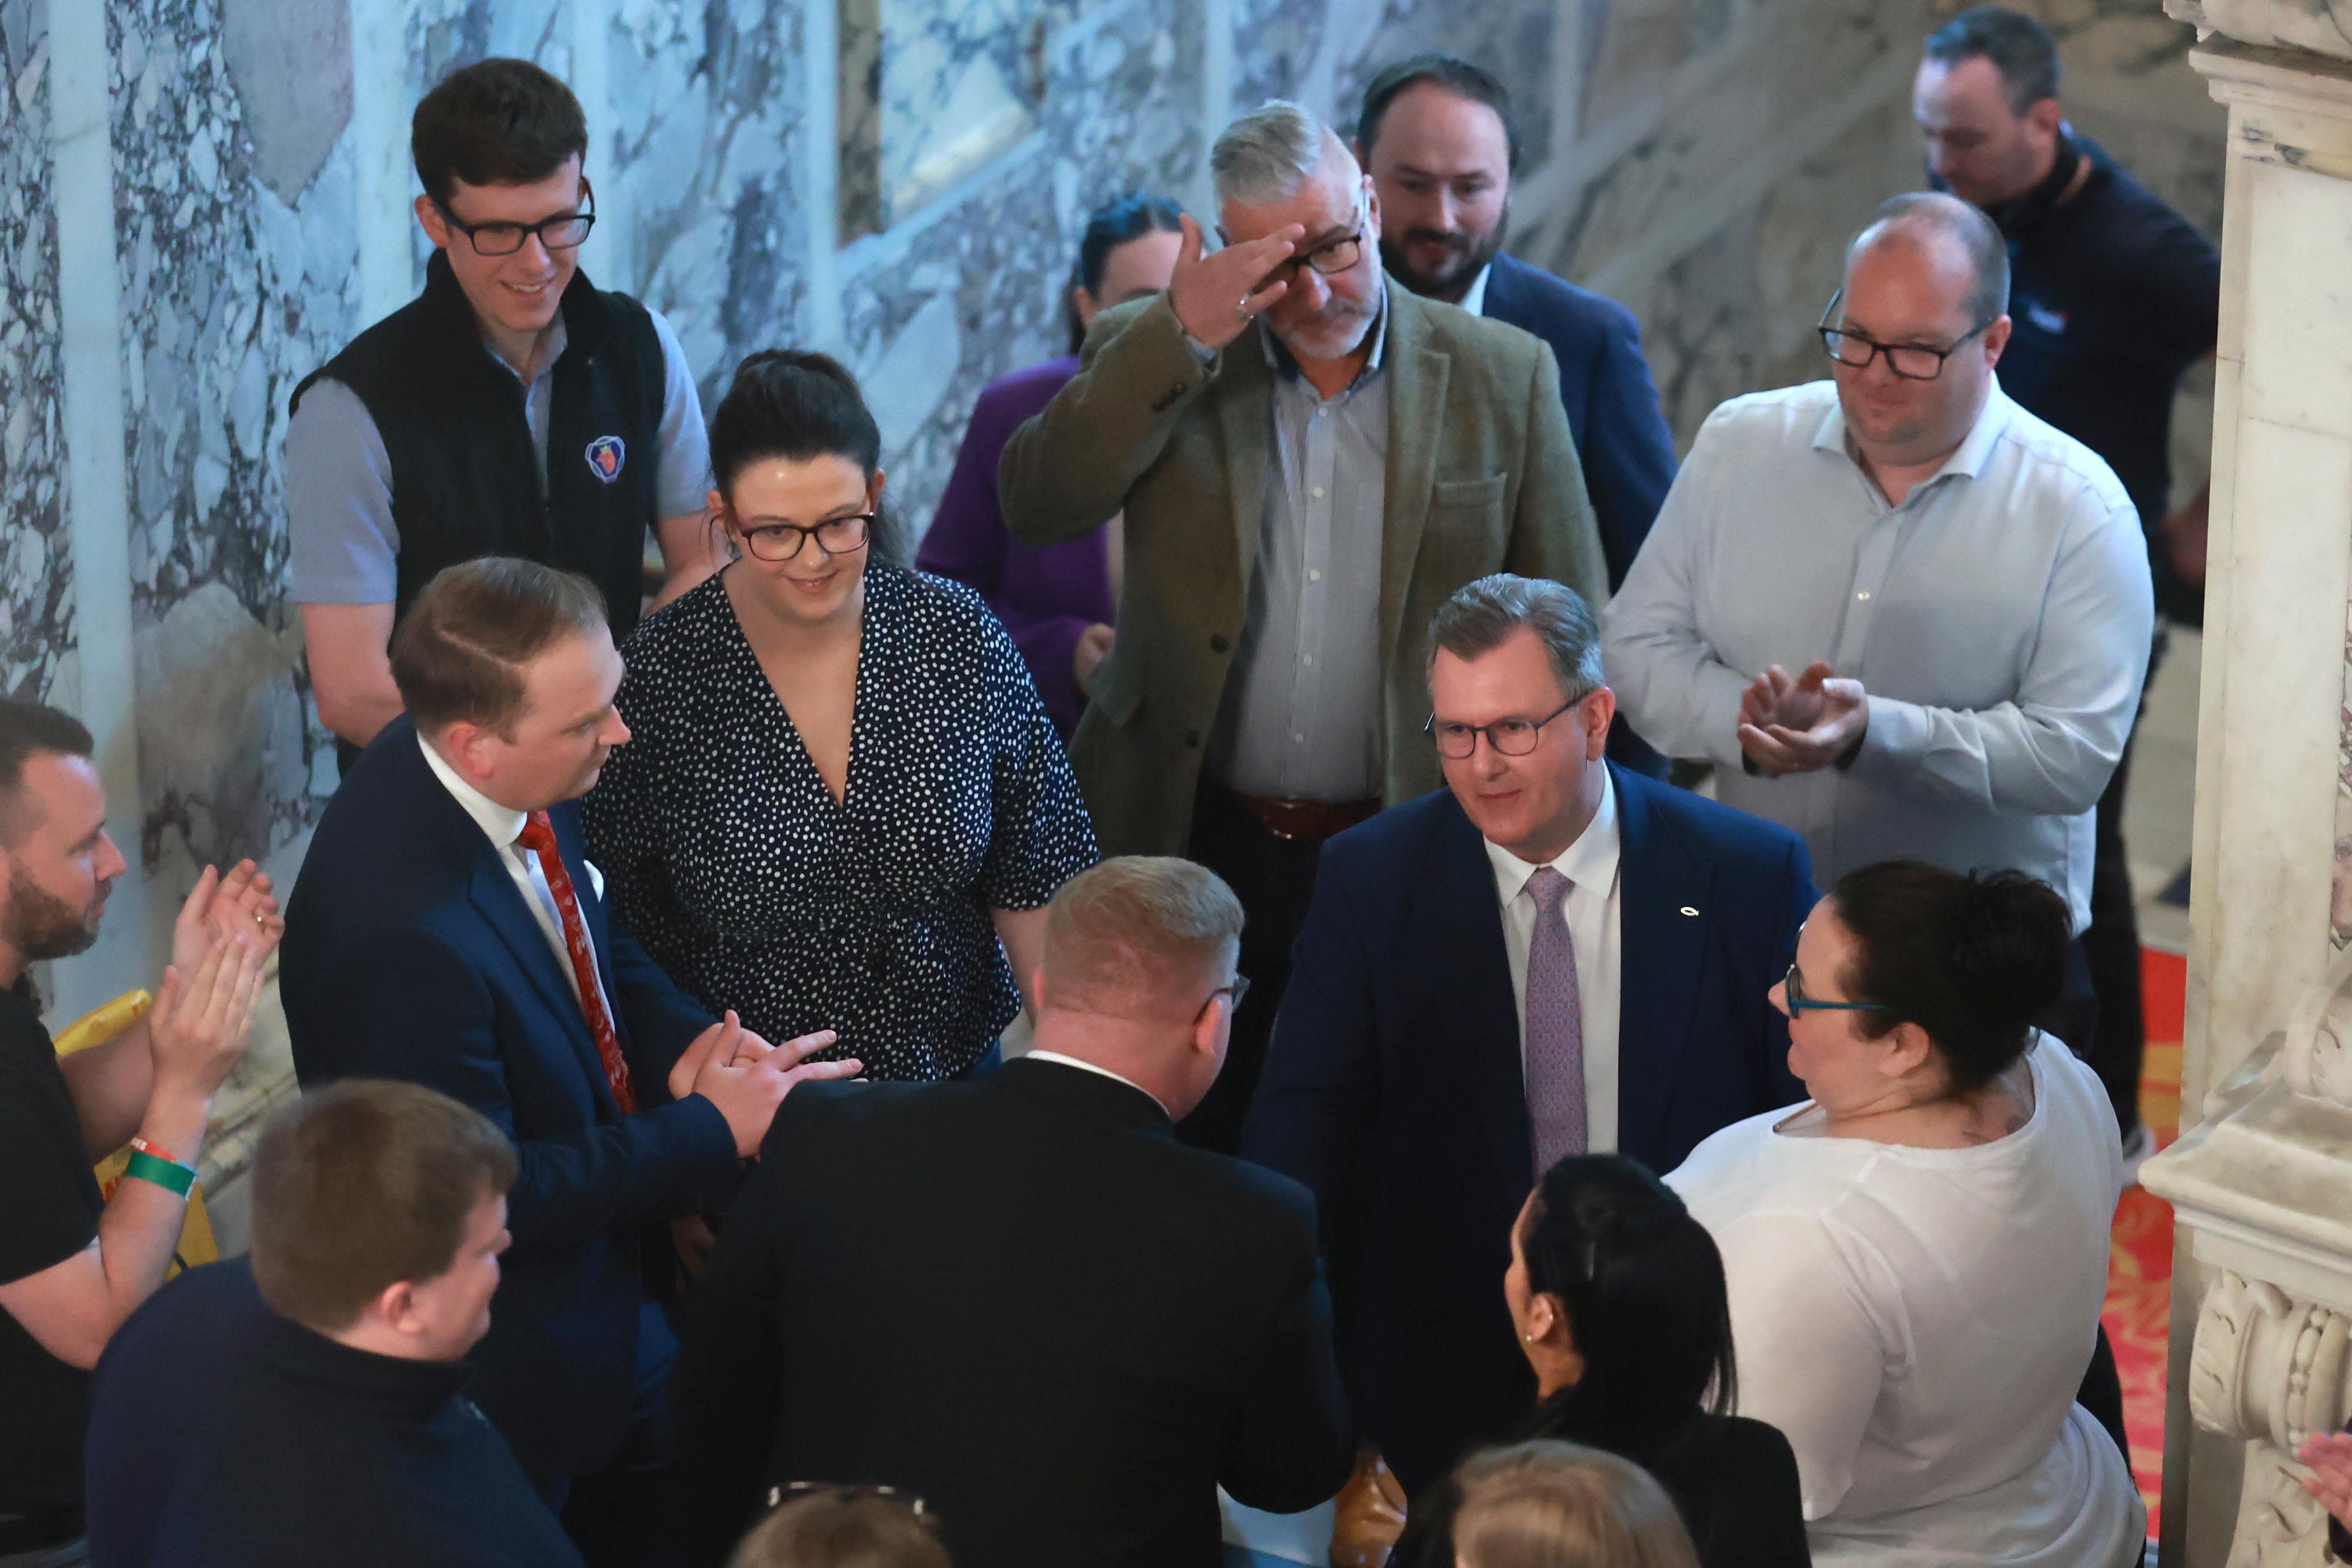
(1799,1004)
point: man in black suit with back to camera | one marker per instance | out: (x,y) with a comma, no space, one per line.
(1021,1299)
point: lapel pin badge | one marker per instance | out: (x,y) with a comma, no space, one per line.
(1688,910)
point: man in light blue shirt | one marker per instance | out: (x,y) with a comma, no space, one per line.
(1962,590)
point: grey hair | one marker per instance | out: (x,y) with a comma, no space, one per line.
(1932,212)
(1482,614)
(1268,154)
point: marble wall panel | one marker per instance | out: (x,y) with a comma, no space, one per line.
(1729,141)
(933,317)
(37,621)
(229,296)
(703,157)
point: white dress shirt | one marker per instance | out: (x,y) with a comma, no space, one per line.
(1098,1071)
(1998,620)
(1473,299)
(1596,927)
(503,825)
(1916,1322)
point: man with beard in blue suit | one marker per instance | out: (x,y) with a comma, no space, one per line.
(1552,956)
(1435,134)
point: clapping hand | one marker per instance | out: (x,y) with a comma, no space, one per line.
(1798,724)
(1215,295)
(197,1029)
(238,906)
(2328,1457)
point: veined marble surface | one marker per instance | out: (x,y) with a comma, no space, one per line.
(37,626)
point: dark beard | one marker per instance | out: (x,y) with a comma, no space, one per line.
(1459,279)
(39,924)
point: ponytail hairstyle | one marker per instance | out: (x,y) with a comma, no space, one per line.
(1107,228)
(799,405)
(1643,1286)
(1973,960)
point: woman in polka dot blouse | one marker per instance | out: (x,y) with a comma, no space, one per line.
(843,806)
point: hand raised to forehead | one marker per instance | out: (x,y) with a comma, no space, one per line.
(1216,296)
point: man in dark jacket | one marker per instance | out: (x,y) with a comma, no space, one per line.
(513,408)
(1551,956)
(304,1405)
(448,930)
(1022,1298)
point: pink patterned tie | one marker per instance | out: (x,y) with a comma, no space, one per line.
(1555,1065)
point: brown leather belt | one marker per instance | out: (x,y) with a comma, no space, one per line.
(1310,820)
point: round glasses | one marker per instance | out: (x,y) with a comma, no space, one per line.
(565,230)
(835,536)
(1509,737)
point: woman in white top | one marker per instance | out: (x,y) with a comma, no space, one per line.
(1916,1257)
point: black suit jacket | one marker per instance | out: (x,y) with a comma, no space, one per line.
(1394,1088)
(1024,1300)
(410,954)
(1613,412)
(1606,387)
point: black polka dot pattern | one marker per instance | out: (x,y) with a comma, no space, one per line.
(739,874)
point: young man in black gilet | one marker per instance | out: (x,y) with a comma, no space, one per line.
(512,409)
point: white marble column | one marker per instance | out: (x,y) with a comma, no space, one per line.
(2262,1183)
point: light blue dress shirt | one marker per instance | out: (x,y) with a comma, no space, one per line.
(1301,719)
(1998,620)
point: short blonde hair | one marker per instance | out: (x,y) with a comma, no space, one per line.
(1134,929)
(1546,1504)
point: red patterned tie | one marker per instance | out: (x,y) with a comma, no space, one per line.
(539,837)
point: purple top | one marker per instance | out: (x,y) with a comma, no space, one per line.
(1046,595)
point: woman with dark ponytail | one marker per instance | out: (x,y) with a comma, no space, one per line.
(842,799)
(1617,1296)
(1058,601)
(1916,1257)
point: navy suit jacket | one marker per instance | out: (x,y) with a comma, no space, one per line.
(1613,412)
(1393,1087)
(1612,405)
(410,954)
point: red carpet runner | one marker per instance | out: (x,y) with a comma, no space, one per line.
(2140,1265)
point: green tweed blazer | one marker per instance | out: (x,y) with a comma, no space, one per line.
(1482,476)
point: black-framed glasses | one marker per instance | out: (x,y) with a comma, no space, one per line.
(1508,737)
(1330,258)
(1799,1004)
(1912,362)
(847,1491)
(1236,991)
(565,230)
(835,536)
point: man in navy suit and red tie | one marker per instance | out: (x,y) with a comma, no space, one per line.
(447,929)
(1553,955)
(1434,132)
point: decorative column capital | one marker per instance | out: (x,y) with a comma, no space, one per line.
(2314,26)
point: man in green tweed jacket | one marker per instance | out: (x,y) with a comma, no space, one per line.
(1307,462)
